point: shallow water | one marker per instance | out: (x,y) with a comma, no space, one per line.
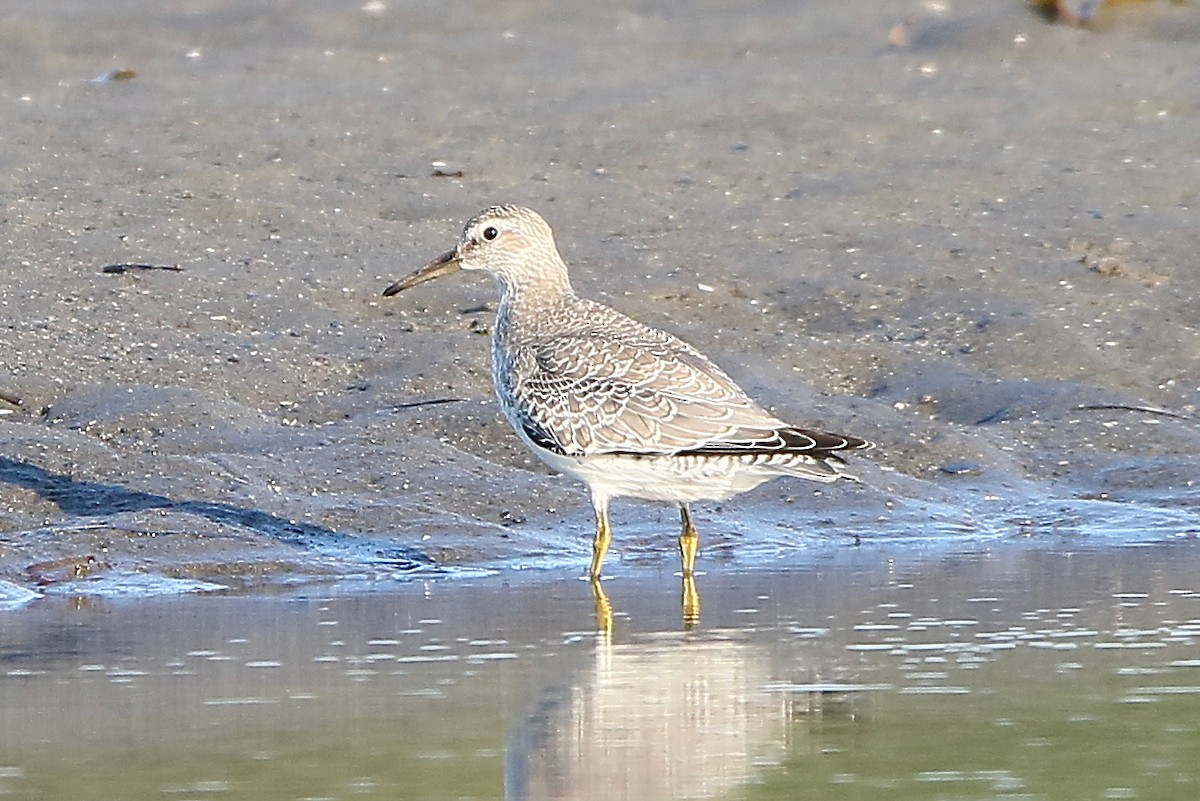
(1008,669)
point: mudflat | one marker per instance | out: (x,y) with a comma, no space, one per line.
(977,249)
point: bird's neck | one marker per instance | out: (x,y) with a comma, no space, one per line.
(528,297)
(523,307)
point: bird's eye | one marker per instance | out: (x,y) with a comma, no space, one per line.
(490,233)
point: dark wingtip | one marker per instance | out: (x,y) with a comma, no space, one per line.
(816,444)
(821,442)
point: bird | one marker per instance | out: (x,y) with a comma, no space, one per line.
(629,410)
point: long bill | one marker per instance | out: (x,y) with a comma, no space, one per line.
(443,265)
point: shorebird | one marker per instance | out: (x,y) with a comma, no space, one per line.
(630,410)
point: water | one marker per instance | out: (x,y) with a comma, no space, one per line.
(1007,669)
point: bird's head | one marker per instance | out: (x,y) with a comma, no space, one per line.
(512,243)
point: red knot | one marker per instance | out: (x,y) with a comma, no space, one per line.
(629,410)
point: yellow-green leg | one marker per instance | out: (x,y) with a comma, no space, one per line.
(689,541)
(603,536)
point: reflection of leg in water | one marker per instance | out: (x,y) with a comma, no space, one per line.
(691,602)
(689,541)
(604,610)
(689,546)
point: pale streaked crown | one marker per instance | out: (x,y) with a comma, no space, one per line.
(514,244)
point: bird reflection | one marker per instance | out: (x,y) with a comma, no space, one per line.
(672,716)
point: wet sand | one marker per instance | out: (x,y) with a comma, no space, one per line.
(977,250)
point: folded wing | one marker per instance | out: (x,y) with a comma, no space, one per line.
(649,394)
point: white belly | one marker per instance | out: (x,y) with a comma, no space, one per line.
(659,478)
